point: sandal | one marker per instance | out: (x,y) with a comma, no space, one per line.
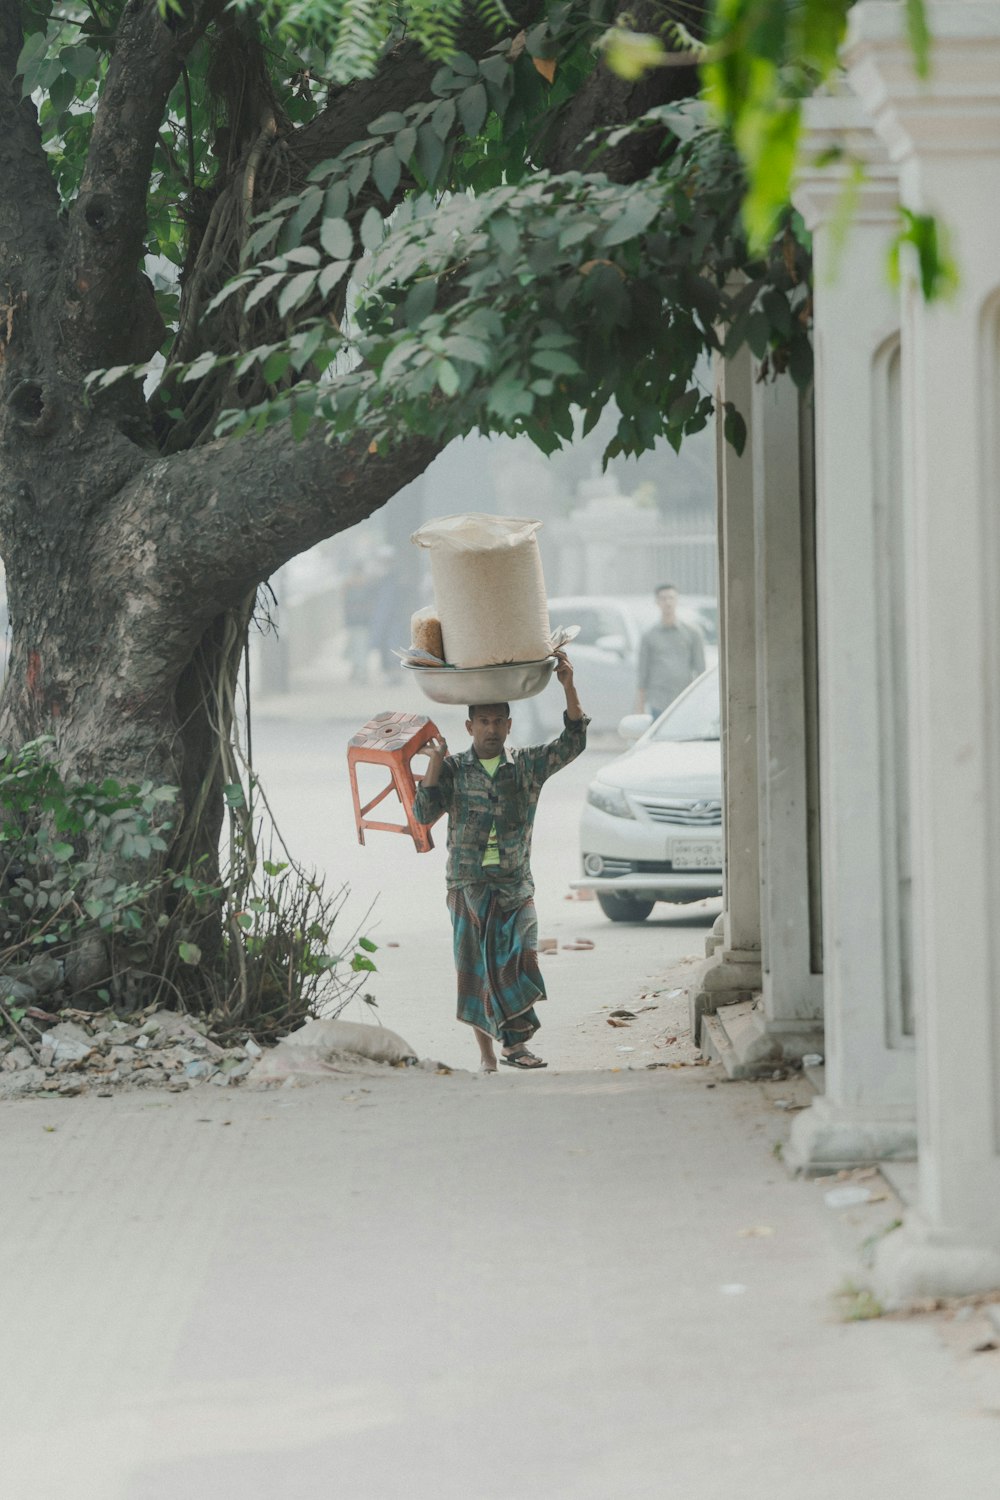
(523,1059)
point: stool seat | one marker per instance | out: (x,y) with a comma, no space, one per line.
(391,740)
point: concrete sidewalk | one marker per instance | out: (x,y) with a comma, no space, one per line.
(414,1286)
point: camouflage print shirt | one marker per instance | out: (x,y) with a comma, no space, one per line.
(474,801)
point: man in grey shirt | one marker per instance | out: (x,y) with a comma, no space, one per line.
(671,655)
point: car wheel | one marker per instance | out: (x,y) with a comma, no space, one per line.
(625,908)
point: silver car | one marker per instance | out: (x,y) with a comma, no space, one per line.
(651,828)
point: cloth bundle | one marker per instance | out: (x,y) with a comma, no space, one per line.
(490,601)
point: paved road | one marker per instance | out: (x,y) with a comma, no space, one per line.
(420,1287)
(303,768)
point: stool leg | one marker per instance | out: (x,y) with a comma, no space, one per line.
(352,771)
(406,789)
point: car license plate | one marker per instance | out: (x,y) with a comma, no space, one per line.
(696,854)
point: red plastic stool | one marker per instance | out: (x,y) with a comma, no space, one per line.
(391,740)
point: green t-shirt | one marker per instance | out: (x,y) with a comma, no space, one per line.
(492,855)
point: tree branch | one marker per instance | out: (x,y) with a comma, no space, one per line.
(403,78)
(605,100)
(111,317)
(216,521)
(29,202)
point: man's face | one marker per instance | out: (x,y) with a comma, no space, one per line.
(667,600)
(489,727)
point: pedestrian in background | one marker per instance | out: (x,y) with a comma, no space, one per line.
(490,795)
(671,655)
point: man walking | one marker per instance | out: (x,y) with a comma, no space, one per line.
(671,655)
(490,795)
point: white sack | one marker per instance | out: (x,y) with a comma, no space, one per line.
(488,588)
(320,1049)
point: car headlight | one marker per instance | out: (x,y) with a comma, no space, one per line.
(610,799)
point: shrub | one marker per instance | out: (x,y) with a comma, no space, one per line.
(83,872)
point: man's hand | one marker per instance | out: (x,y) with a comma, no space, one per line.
(436,749)
(564,672)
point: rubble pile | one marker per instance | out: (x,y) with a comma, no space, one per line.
(77,1052)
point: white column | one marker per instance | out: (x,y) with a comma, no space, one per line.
(733,971)
(765,521)
(945,135)
(792,992)
(869,1108)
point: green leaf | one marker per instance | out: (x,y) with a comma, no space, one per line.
(509,399)
(331,276)
(362,965)
(554,360)
(263,288)
(276,365)
(459,346)
(233,791)
(359,175)
(631,54)
(734,428)
(683,408)
(337,239)
(388,123)
(189,953)
(372,229)
(337,201)
(443,119)
(919,34)
(81,62)
(639,212)
(420,301)
(367,945)
(800,362)
(62,91)
(430,152)
(504,233)
(296,226)
(447,377)
(405,144)
(472,108)
(296,292)
(303,255)
(386,170)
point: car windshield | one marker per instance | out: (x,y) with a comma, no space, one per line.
(693,717)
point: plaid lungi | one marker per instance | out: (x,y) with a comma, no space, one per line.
(496,962)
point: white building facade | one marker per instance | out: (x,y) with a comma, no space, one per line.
(860,635)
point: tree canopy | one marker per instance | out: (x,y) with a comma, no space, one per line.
(253,278)
(492,249)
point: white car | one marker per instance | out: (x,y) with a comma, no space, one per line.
(651,828)
(605,657)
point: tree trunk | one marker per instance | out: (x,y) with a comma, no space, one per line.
(130,565)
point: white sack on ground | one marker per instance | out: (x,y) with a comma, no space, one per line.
(488,588)
(319,1046)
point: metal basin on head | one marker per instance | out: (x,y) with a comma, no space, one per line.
(504,684)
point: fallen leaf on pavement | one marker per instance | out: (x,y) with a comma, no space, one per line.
(616,1021)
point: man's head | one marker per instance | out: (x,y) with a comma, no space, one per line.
(489,725)
(666,598)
